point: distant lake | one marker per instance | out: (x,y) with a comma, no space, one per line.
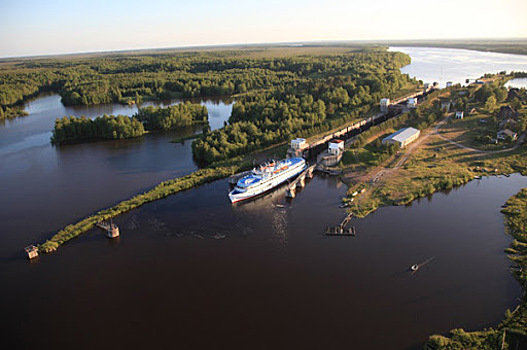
(456,65)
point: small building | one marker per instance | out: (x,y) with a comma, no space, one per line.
(298,144)
(459,114)
(505,134)
(385,103)
(472,111)
(402,137)
(332,156)
(448,84)
(336,147)
(113,231)
(297,147)
(412,103)
(32,252)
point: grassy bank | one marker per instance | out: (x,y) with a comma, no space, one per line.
(513,329)
(459,151)
(445,156)
(436,165)
(162,190)
(186,138)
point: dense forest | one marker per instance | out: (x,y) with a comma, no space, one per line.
(347,87)
(129,78)
(182,114)
(72,129)
(278,96)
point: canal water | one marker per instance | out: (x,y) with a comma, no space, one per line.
(45,187)
(196,272)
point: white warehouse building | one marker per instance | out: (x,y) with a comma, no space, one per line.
(402,137)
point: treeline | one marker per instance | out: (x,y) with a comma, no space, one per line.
(308,107)
(135,78)
(74,129)
(109,127)
(183,114)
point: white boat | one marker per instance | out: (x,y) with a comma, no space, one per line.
(414,267)
(266,177)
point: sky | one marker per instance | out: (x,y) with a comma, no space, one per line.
(33,27)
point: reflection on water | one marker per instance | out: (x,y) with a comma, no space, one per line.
(55,186)
(265,265)
(263,271)
(456,65)
(34,130)
(280,225)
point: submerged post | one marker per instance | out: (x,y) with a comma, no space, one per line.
(301,181)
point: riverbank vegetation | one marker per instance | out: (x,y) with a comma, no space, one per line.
(329,93)
(133,78)
(172,117)
(107,127)
(512,331)
(281,93)
(438,161)
(77,129)
(160,191)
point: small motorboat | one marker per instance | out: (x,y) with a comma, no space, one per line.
(414,267)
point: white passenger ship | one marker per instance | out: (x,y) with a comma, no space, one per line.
(266,177)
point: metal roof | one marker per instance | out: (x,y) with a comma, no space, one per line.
(402,135)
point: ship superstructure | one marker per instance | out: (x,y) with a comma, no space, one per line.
(265,177)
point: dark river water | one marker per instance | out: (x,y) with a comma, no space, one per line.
(193,271)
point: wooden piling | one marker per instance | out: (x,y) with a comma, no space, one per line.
(32,252)
(112,231)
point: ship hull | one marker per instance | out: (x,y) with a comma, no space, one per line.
(267,186)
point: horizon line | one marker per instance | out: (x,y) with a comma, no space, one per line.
(254,44)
